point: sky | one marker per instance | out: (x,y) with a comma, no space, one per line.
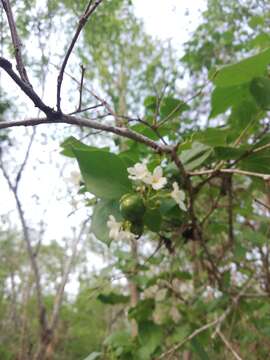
(170,19)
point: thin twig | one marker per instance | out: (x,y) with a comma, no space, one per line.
(19,174)
(230,171)
(228,345)
(81,89)
(17,44)
(230,210)
(262,203)
(83,20)
(86,109)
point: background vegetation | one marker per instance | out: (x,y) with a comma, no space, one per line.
(172,198)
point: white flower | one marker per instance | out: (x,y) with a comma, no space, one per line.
(114,227)
(116,232)
(126,235)
(156,180)
(139,171)
(178,196)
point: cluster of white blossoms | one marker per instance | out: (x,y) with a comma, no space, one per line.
(156,179)
(140,172)
(116,231)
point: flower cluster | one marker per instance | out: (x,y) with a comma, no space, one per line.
(116,231)
(140,172)
(156,179)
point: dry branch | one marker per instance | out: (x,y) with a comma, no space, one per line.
(88,123)
(83,20)
(17,44)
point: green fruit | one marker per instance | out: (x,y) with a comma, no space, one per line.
(132,207)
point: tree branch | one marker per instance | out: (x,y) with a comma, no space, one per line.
(26,88)
(17,44)
(81,89)
(19,174)
(83,20)
(88,123)
(230,171)
(43,346)
(228,345)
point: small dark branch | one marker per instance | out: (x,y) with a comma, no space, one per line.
(214,269)
(81,89)
(78,121)
(181,106)
(212,209)
(196,228)
(17,44)
(19,174)
(67,268)
(262,203)
(83,20)
(189,188)
(230,210)
(205,181)
(161,242)
(87,109)
(26,88)
(103,102)
(139,120)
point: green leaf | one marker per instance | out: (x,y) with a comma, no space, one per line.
(212,136)
(258,162)
(113,298)
(101,214)
(105,174)
(151,103)
(93,356)
(71,142)
(256,20)
(118,339)
(228,153)
(150,337)
(260,41)
(151,134)
(152,219)
(199,349)
(168,107)
(243,71)
(260,89)
(180,333)
(171,107)
(223,98)
(196,156)
(143,310)
(243,113)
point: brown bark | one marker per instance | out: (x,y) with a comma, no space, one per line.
(134,293)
